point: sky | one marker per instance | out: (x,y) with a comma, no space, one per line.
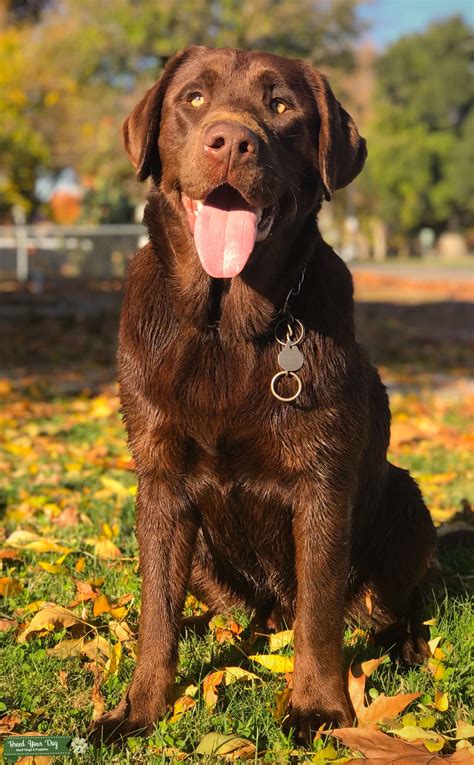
(389,19)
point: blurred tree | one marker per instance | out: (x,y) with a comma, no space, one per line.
(83,65)
(421,146)
(23,149)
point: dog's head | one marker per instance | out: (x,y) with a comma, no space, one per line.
(244,143)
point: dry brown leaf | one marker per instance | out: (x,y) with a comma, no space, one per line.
(8,624)
(209,685)
(386,707)
(377,747)
(101,605)
(9,586)
(47,619)
(383,707)
(8,723)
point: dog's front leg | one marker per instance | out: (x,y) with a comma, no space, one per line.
(167,526)
(321,529)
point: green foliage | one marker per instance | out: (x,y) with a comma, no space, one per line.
(422,133)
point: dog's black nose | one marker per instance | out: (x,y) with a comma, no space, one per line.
(229,140)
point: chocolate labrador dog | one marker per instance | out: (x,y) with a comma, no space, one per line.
(258,426)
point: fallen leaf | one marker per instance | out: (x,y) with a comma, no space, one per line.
(7,554)
(51,568)
(47,619)
(180,706)
(67,648)
(368,667)
(209,685)
(381,749)
(273,663)
(9,586)
(382,708)
(328,753)
(101,605)
(115,655)
(229,746)
(464,730)
(233,674)
(416,733)
(106,549)
(386,707)
(282,699)
(8,624)
(441,701)
(9,722)
(121,631)
(280,639)
(97,649)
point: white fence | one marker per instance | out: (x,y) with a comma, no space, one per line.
(44,251)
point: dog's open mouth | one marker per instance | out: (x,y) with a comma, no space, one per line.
(225,229)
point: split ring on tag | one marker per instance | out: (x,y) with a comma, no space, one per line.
(294,376)
(290,324)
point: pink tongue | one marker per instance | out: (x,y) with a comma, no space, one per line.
(224,239)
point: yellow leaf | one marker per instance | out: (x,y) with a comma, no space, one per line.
(97,649)
(114,487)
(106,550)
(80,565)
(182,705)
(234,747)
(328,753)
(9,586)
(61,559)
(233,674)
(415,733)
(101,605)
(437,669)
(433,644)
(48,619)
(280,640)
(67,648)
(52,568)
(115,656)
(46,545)
(20,538)
(118,612)
(121,630)
(441,701)
(433,745)
(274,663)
(464,730)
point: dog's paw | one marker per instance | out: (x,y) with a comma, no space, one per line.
(121,722)
(306,722)
(412,651)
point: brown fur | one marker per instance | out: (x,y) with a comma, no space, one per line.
(291,510)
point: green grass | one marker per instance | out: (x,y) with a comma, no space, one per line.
(64,476)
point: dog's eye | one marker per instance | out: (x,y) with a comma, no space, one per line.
(278,106)
(196,99)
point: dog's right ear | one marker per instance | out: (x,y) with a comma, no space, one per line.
(142,127)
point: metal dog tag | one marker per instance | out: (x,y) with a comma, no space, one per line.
(290,358)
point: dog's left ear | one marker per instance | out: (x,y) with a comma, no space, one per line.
(341,150)
(142,127)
